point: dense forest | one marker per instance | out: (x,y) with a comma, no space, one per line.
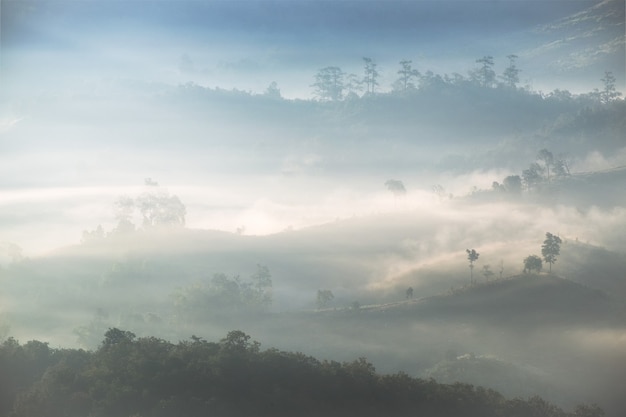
(145,377)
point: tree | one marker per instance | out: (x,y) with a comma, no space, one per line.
(532,176)
(115,336)
(485,75)
(324,297)
(551,248)
(272,91)
(513,184)
(329,83)
(258,292)
(532,262)
(487,272)
(609,92)
(407,74)
(124,208)
(547,158)
(239,342)
(396,187)
(371,75)
(161,209)
(353,85)
(409,293)
(472,256)
(511,73)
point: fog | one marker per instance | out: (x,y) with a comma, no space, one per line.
(144,151)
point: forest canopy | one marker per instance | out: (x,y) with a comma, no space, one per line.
(148,376)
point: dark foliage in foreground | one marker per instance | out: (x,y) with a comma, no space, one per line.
(129,376)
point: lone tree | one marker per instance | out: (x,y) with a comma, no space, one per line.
(324,297)
(551,248)
(396,187)
(472,256)
(532,262)
(409,293)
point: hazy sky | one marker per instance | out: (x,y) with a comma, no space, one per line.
(248,44)
(79,125)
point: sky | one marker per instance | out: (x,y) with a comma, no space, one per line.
(249,44)
(79,125)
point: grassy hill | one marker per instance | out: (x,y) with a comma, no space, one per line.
(537,299)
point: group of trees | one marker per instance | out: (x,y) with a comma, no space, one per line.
(155,208)
(332,83)
(223,296)
(543,171)
(550,249)
(150,377)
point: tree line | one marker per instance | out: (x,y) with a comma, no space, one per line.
(151,377)
(331,83)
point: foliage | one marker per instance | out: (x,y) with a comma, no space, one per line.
(324,297)
(396,187)
(329,83)
(511,73)
(223,296)
(551,248)
(609,93)
(532,176)
(409,293)
(485,76)
(472,256)
(370,77)
(406,76)
(532,263)
(151,377)
(513,184)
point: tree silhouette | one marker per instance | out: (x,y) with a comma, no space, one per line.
(485,75)
(532,176)
(472,256)
(324,297)
(551,248)
(371,75)
(547,158)
(409,293)
(407,74)
(511,73)
(329,83)
(609,93)
(532,262)
(487,272)
(396,187)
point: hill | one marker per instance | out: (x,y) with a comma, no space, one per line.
(530,299)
